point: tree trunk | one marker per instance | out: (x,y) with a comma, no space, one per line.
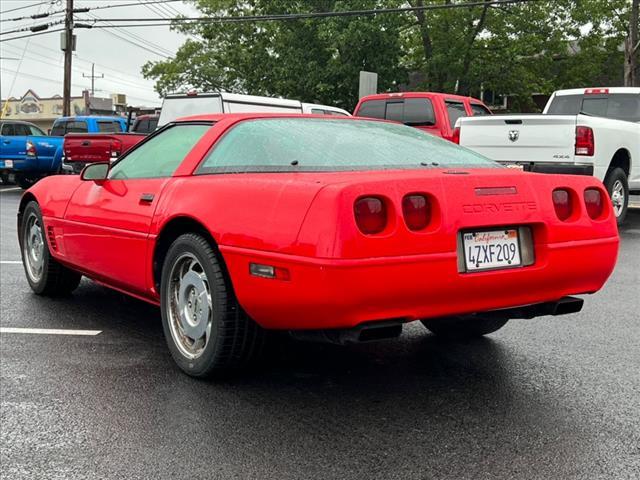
(631,47)
(425,36)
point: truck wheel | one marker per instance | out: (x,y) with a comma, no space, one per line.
(617,185)
(456,328)
(5,179)
(205,328)
(26,182)
(45,275)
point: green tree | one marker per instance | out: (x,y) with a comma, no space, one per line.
(312,60)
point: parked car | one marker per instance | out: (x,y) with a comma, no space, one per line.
(593,131)
(145,124)
(88,124)
(334,228)
(80,150)
(435,113)
(27,153)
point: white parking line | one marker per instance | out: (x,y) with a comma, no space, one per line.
(10,189)
(49,331)
(10,262)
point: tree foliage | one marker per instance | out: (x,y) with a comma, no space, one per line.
(520,49)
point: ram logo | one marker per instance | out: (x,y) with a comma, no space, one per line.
(514,135)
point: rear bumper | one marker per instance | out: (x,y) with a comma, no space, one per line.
(337,293)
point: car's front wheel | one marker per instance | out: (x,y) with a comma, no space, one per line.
(206,329)
(463,327)
(45,275)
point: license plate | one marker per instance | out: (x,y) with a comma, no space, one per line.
(491,250)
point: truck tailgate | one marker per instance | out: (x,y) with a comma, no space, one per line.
(520,138)
(90,148)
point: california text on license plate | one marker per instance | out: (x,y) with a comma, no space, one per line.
(492,249)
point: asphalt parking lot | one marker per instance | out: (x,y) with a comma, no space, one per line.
(550,398)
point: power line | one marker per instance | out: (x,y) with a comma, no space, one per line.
(22,8)
(311,15)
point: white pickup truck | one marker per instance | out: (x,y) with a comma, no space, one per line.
(593,131)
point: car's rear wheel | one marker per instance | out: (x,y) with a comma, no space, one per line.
(462,327)
(617,185)
(45,275)
(206,329)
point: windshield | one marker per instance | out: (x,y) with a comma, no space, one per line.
(305,144)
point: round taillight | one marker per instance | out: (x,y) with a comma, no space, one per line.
(562,203)
(371,215)
(593,202)
(416,211)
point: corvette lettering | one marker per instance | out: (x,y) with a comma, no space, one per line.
(499,207)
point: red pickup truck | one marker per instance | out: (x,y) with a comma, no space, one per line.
(435,113)
(81,149)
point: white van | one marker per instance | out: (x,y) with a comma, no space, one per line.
(185,104)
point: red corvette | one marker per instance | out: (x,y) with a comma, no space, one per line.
(339,229)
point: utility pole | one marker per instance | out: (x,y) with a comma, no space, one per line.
(632,47)
(93,77)
(68,52)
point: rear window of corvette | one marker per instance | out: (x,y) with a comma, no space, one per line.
(304,144)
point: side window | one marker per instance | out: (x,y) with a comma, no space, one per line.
(36,132)
(479,110)
(418,112)
(8,130)
(22,130)
(76,127)
(160,155)
(372,109)
(455,110)
(108,126)
(58,129)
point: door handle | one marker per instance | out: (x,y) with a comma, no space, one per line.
(147,197)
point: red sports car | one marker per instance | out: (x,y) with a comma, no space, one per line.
(341,229)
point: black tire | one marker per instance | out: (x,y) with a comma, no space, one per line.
(5,179)
(55,279)
(26,182)
(458,328)
(616,177)
(235,342)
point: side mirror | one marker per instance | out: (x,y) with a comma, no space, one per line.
(96,172)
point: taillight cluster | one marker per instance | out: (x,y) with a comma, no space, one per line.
(31,149)
(372,214)
(565,203)
(585,143)
(116,148)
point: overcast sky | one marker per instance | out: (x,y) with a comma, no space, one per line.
(112,50)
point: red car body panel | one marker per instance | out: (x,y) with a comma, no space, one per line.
(304,222)
(442,127)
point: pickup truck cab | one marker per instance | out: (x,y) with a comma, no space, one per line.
(145,124)
(27,153)
(435,113)
(88,124)
(592,131)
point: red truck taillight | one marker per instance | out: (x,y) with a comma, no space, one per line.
(455,137)
(585,143)
(370,214)
(116,148)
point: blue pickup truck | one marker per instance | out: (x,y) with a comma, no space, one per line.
(27,154)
